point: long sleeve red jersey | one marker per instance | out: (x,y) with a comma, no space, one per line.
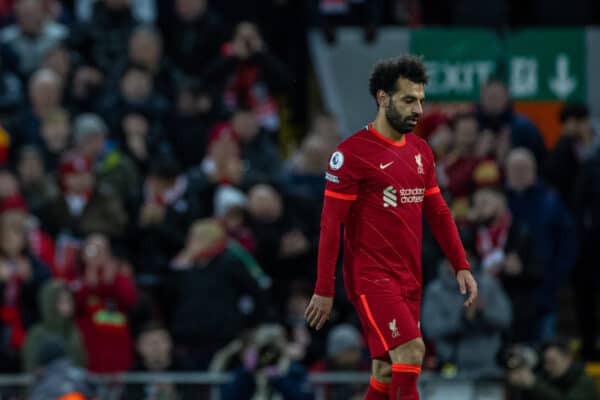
(378,188)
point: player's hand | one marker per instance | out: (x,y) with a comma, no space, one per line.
(467,284)
(318,310)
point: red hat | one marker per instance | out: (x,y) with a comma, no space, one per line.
(74,162)
(219,130)
(13,202)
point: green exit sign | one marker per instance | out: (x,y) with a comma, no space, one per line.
(547,64)
(539,64)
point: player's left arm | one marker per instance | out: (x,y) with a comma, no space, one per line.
(444,230)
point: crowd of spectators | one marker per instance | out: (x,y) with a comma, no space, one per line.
(141,181)
(149,220)
(528,215)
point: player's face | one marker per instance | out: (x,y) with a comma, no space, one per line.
(404,107)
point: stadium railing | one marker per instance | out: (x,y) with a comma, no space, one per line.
(111,387)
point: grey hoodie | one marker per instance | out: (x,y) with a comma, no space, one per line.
(471,345)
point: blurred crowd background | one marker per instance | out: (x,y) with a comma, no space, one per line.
(161,180)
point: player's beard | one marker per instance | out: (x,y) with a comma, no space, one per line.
(400,122)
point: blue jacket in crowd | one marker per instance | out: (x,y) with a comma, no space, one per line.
(553,229)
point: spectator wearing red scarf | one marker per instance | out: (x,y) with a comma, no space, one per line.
(249,75)
(507,252)
(21,274)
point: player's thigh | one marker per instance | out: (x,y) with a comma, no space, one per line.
(381,370)
(411,352)
(387,321)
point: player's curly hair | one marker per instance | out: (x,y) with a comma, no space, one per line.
(386,72)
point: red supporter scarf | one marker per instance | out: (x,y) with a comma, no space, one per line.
(494,236)
(10,312)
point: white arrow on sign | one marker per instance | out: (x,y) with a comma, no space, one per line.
(562,85)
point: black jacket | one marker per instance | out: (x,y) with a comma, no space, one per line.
(587,211)
(105,38)
(193,44)
(261,160)
(204,300)
(562,168)
(573,385)
(157,244)
(520,288)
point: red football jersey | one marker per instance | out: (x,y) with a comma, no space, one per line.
(387,182)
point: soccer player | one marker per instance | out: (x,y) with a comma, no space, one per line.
(379,181)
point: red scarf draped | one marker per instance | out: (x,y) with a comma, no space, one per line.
(10,312)
(494,236)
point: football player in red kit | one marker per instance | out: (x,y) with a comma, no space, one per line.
(379,182)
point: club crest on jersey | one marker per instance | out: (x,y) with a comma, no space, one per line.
(394,328)
(337,160)
(419,162)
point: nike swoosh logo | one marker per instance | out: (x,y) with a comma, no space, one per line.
(384,166)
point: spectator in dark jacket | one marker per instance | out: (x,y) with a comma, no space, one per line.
(83,82)
(45,96)
(247,74)
(135,93)
(172,201)
(587,274)
(286,231)
(507,251)
(268,370)
(578,143)
(142,142)
(11,93)
(207,279)
(195,113)
(104,38)
(258,153)
(83,207)
(562,378)
(345,352)
(146,51)
(32,35)
(155,354)
(38,188)
(193,34)
(541,210)
(572,167)
(497,116)
(113,169)
(303,174)
(55,133)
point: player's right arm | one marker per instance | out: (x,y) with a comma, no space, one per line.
(340,191)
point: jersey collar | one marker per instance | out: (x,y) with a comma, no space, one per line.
(397,143)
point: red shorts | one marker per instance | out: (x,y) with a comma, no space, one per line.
(387,321)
